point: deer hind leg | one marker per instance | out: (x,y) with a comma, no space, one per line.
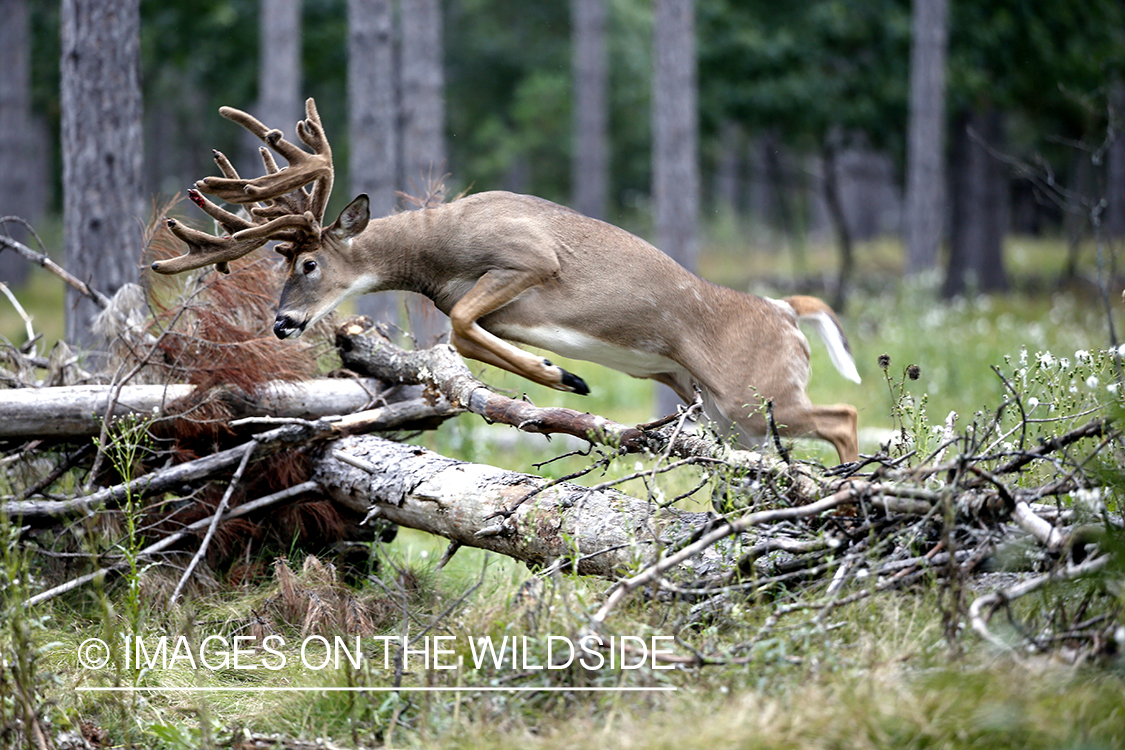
(491,292)
(835,424)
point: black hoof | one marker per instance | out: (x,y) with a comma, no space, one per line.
(574,384)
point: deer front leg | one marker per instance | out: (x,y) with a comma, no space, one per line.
(492,291)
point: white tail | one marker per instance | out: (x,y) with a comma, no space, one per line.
(508,267)
(820,316)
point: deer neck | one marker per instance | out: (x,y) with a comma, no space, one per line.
(404,252)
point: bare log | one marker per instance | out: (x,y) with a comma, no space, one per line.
(172,478)
(77,411)
(598,532)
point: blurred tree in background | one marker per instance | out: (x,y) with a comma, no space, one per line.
(102,150)
(802,108)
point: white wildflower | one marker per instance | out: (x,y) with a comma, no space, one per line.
(1032,402)
(1112,388)
(1092,382)
(1023,355)
(1082,356)
(1064,364)
(1090,500)
(1045,359)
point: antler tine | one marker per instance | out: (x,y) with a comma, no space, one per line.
(230,222)
(304,167)
(205,249)
(288,212)
(296,202)
(311,131)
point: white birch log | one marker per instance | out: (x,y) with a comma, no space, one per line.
(76,411)
(603,532)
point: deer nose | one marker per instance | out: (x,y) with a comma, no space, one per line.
(284,327)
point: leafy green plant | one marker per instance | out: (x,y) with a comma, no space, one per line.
(27,715)
(128,441)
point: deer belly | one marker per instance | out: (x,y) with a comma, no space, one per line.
(578,345)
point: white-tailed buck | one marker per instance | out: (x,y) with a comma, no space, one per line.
(508,267)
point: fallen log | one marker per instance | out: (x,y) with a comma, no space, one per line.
(595,532)
(391,417)
(78,410)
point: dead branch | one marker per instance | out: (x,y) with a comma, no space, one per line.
(658,569)
(42,260)
(219,512)
(983,607)
(365,350)
(173,478)
(171,539)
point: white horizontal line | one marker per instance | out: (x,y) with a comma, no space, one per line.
(258,689)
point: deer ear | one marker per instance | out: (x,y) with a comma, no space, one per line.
(353,219)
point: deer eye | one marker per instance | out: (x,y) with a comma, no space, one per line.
(308,266)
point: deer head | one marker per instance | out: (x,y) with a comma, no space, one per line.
(281,208)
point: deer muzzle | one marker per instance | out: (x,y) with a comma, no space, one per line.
(285,327)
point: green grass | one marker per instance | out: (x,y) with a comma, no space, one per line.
(878,674)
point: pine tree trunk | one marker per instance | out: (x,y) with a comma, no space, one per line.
(423,126)
(839,219)
(675,136)
(102,148)
(730,167)
(979,197)
(423,94)
(590,158)
(675,131)
(1113,216)
(17,192)
(373,122)
(925,159)
(279,65)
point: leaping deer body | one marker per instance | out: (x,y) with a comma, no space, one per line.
(509,267)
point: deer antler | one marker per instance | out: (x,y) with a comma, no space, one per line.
(286,210)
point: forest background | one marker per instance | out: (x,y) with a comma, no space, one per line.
(912,162)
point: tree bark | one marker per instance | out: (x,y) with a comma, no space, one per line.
(373,122)
(590,156)
(373,103)
(840,222)
(730,167)
(423,93)
(979,197)
(102,146)
(77,411)
(279,65)
(675,131)
(925,158)
(675,141)
(1114,213)
(600,532)
(423,131)
(18,195)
